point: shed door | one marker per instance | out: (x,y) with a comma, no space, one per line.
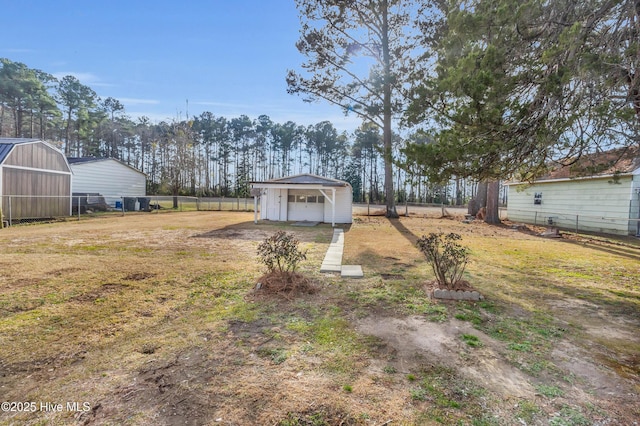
(306,205)
(274,202)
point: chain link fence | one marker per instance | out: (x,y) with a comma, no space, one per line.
(577,222)
(18,209)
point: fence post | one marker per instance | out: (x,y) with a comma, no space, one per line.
(10,211)
(78,208)
(576,224)
(535,218)
(220,203)
(245,204)
(122,198)
(238,203)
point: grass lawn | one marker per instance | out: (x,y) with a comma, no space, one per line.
(154,319)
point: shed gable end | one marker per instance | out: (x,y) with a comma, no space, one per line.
(38,156)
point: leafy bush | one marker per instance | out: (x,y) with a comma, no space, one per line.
(448,259)
(280,252)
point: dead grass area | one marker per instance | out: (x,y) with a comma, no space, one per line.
(156,319)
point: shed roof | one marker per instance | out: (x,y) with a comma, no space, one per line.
(616,161)
(83,160)
(621,161)
(305,179)
(7,144)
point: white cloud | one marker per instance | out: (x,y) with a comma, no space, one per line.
(137,101)
(86,78)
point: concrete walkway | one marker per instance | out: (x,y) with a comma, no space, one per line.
(333,259)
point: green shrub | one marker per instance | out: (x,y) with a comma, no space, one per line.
(448,259)
(280,252)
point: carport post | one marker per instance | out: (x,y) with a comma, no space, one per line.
(255,209)
(333,208)
(333,204)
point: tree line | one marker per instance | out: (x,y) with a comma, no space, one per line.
(204,155)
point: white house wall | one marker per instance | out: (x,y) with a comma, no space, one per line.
(109,178)
(597,204)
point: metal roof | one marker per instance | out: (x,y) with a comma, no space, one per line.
(305,179)
(84,160)
(5,149)
(75,160)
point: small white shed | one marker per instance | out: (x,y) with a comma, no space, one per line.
(108,177)
(607,201)
(304,197)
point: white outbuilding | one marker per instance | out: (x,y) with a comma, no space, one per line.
(304,197)
(108,177)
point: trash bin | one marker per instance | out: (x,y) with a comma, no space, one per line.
(144,203)
(129,204)
(119,205)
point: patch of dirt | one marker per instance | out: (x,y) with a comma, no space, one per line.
(236,234)
(597,378)
(172,391)
(417,341)
(392,276)
(64,271)
(25,282)
(418,344)
(102,291)
(139,276)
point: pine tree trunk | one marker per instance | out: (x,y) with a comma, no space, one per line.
(480,200)
(493,198)
(386,106)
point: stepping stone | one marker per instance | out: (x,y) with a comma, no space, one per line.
(330,267)
(351,271)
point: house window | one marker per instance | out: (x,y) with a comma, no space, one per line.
(537,198)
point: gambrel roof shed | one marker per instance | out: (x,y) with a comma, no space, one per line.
(302,198)
(35,179)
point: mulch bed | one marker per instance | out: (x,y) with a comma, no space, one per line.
(287,284)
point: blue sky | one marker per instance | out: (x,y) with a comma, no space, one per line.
(229,57)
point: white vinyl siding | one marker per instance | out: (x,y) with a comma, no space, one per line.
(596,204)
(344,202)
(109,178)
